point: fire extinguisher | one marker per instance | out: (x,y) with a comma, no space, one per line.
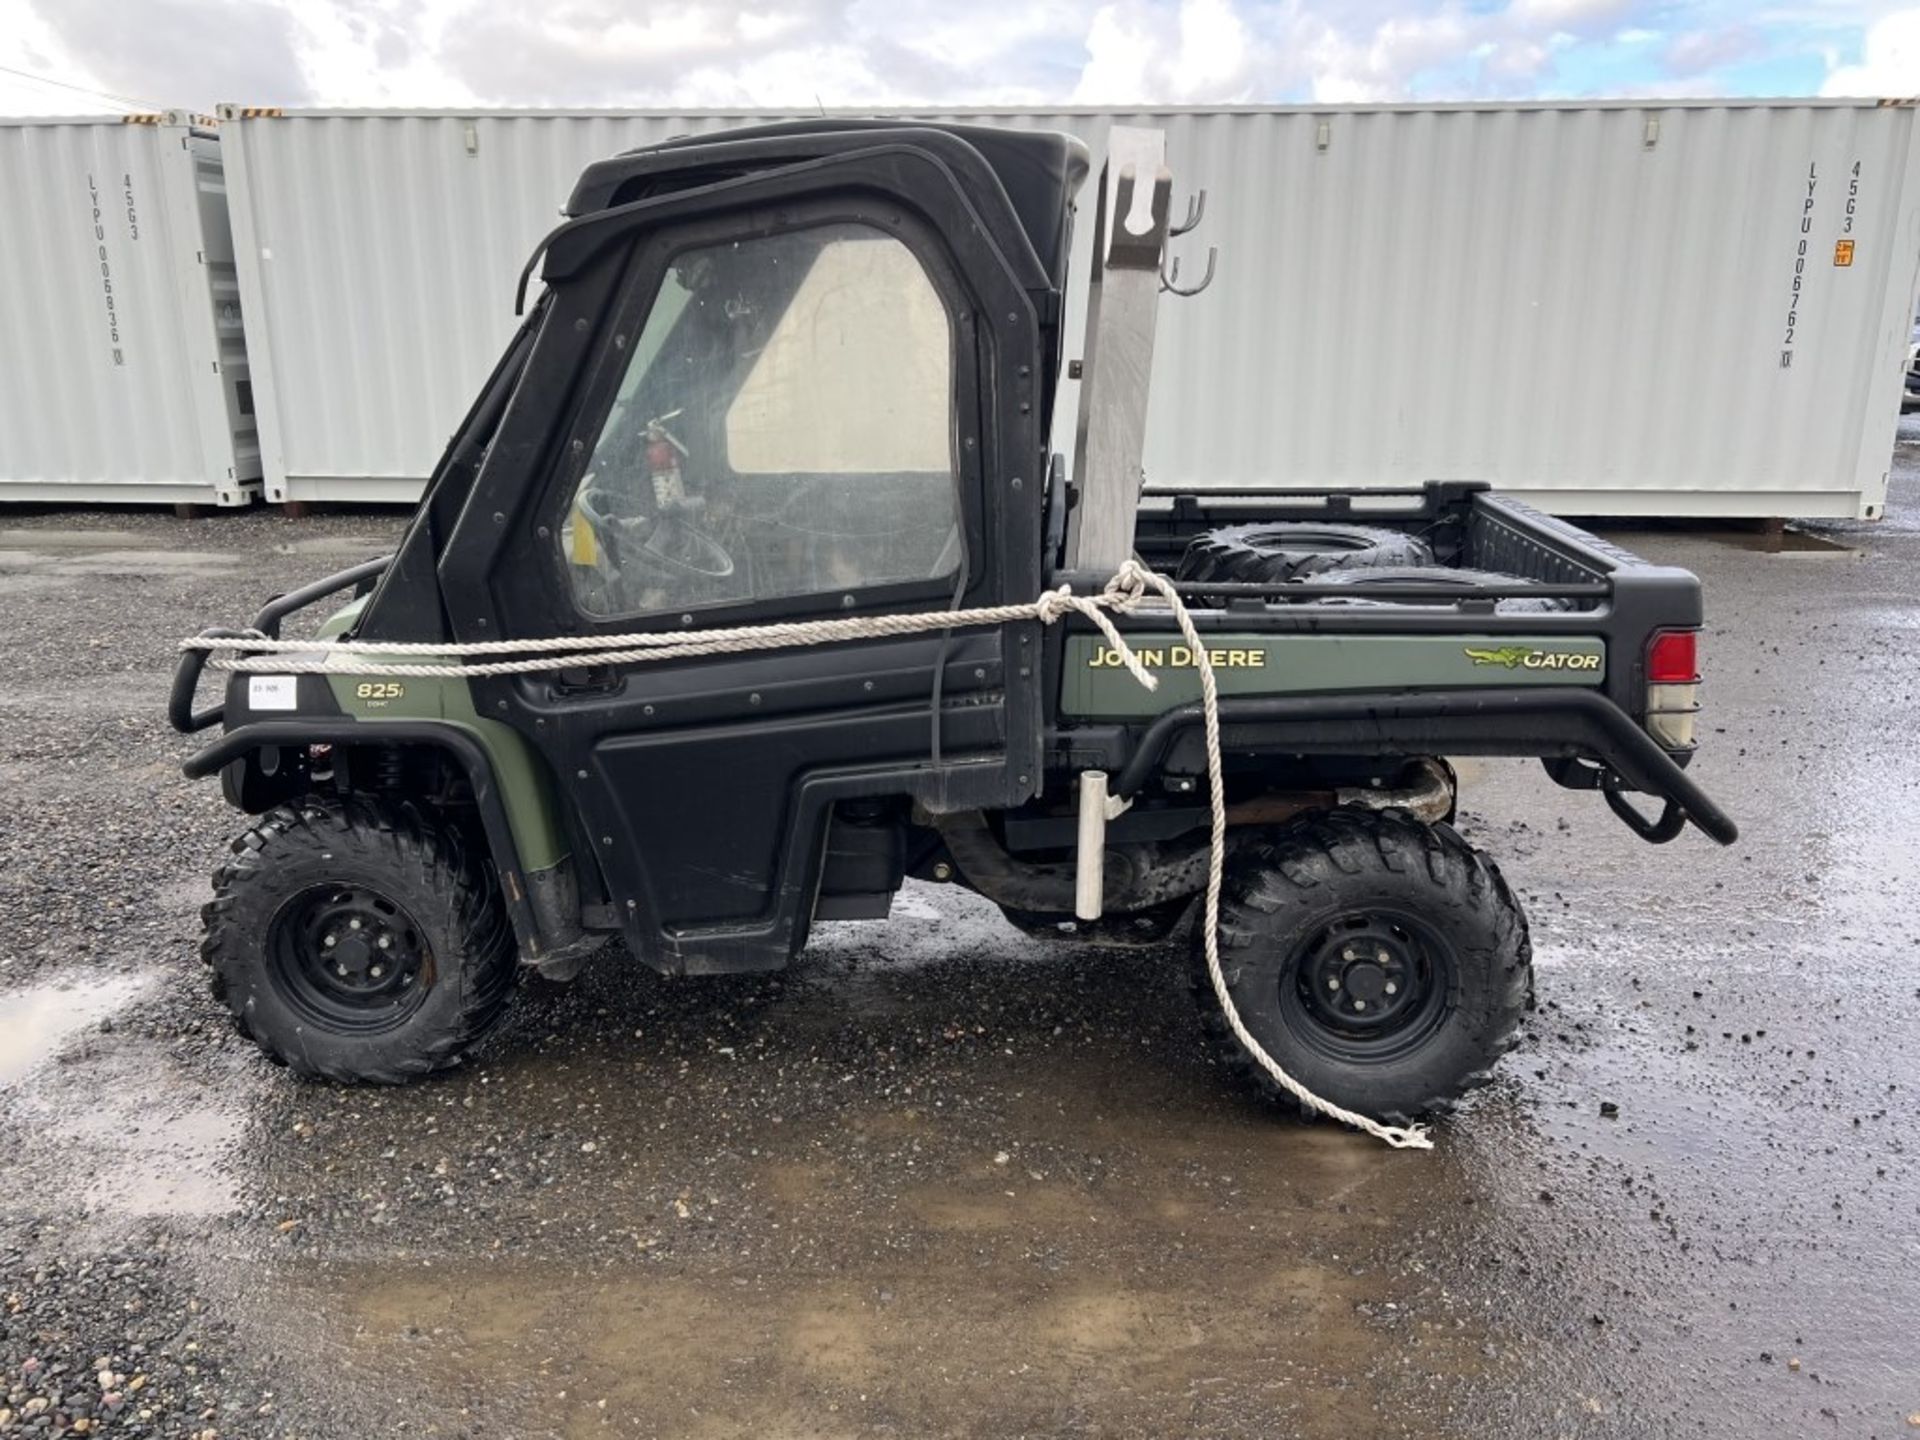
(664,453)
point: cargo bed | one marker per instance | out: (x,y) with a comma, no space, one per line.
(1433,670)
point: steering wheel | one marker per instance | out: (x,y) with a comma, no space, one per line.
(681,546)
(668,540)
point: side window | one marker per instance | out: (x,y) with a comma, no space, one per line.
(784,427)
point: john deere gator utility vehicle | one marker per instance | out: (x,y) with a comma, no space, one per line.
(808,372)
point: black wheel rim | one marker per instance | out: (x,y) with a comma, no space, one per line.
(1311,542)
(1369,987)
(349,959)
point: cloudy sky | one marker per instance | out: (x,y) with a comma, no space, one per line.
(725,53)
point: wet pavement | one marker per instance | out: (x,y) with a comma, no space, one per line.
(942,1179)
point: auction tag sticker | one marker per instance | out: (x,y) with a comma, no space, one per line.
(272,692)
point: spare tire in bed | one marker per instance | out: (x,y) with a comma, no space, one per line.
(1442,576)
(1278,551)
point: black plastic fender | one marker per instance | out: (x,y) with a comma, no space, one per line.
(309,730)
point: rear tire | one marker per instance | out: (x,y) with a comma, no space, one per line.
(358,943)
(1278,551)
(1381,961)
(1466,581)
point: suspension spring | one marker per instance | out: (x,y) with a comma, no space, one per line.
(388,771)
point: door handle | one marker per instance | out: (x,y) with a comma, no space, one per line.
(584,680)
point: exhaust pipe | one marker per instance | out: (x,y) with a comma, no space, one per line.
(1430,796)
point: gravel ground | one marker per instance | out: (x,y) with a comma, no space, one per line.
(942,1179)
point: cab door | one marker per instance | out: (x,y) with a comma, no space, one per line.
(810,397)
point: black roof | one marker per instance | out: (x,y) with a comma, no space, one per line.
(1038,171)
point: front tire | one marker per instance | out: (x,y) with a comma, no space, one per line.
(1381,961)
(358,943)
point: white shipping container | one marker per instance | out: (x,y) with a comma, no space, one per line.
(123,360)
(1678,308)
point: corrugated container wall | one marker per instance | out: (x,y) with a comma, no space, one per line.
(1616,308)
(123,361)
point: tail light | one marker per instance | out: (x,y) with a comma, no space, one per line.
(1673,687)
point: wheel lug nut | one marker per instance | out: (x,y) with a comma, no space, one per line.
(1392,989)
(1347,954)
(1385,959)
(1359,1004)
(1333,982)
(331,941)
(386,942)
(377,971)
(341,971)
(353,924)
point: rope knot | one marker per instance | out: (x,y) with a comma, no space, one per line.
(1127,588)
(1053,604)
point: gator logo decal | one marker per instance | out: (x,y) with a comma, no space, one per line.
(1528,657)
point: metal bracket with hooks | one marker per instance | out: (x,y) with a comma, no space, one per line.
(1131,270)
(1170,279)
(1196,212)
(1170,276)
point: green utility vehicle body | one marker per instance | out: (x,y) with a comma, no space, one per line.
(810,371)
(1096,684)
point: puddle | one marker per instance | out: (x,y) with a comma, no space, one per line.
(353,547)
(1755,535)
(153,563)
(57,539)
(148,1137)
(156,1151)
(161,539)
(873,1345)
(24,584)
(35,1020)
(910,905)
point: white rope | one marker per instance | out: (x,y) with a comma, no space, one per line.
(1123,594)
(1400,1137)
(344,657)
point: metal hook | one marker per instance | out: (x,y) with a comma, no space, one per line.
(1169,280)
(1196,211)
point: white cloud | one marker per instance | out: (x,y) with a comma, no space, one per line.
(1698,51)
(1453,51)
(352,58)
(1889,60)
(1137,52)
(1572,15)
(1518,59)
(980,42)
(1355,69)
(203,50)
(728,53)
(29,45)
(1214,61)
